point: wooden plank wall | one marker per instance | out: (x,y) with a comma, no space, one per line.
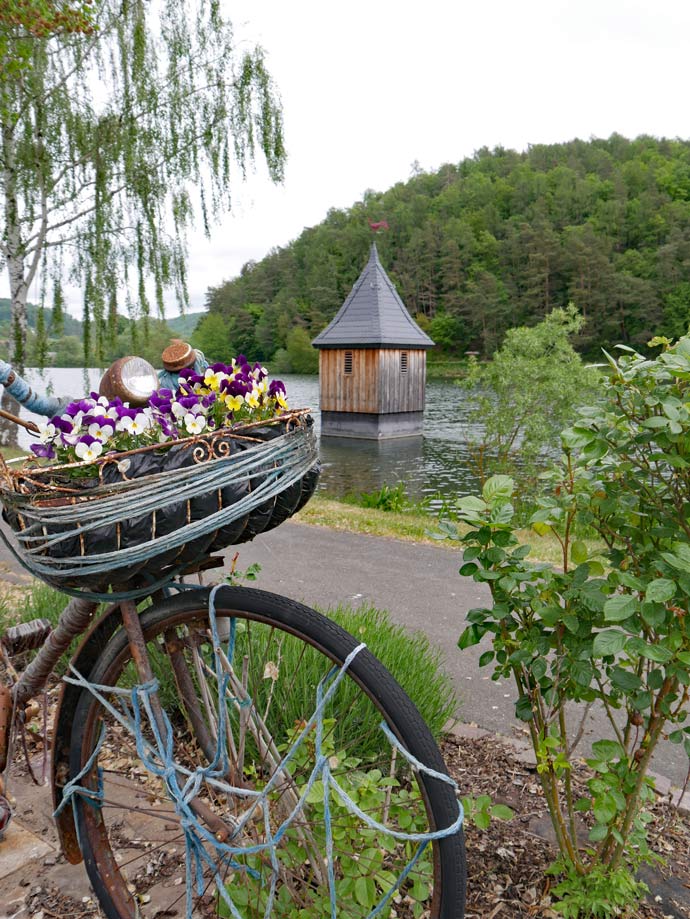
(349,392)
(376,384)
(402,392)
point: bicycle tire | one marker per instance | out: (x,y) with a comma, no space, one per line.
(256,610)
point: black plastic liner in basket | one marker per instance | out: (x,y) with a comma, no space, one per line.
(135,530)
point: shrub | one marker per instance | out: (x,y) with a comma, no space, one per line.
(614,633)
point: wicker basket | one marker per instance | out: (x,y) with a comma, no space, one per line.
(152,513)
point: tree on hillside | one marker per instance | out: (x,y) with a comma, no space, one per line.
(103,134)
(499,240)
(212,337)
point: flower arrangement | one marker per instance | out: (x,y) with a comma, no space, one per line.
(225,395)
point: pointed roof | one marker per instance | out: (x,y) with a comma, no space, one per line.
(373,315)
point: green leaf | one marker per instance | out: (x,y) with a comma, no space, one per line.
(607,750)
(598,832)
(619,608)
(639,646)
(653,614)
(469,569)
(502,812)
(655,422)
(471,636)
(486,658)
(582,672)
(578,552)
(498,486)
(365,892)
(609,642)
(482,820)
(472,504)
(604,809)
(660,590)
(624,679)
(541,529)
(523,709)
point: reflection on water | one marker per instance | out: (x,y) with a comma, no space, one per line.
(436,462)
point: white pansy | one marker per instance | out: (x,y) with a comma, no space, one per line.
(140,423)
(89,452)
(195,424)
(102,432)
(137,425)
(179,411)
(46,432)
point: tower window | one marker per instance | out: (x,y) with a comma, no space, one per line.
(348,362)
(403,362)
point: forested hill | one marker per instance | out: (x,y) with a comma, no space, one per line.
(495,241)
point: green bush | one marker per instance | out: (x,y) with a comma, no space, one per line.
(609,629)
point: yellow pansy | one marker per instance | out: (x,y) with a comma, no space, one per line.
(234,403)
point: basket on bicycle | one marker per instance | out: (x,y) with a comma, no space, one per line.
(150,513)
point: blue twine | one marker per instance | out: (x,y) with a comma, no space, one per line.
(183,784)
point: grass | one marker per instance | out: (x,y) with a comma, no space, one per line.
(12,453)
(414,525)
(409,656)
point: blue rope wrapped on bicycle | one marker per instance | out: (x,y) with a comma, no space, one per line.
(172,505)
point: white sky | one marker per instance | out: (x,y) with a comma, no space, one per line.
(370,86)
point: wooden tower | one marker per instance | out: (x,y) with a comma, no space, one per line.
(372,363)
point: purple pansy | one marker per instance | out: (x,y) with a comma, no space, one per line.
(44,450)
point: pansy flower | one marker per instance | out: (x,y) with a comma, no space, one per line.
(101,431)
(88,448)
(195,423)
(138,424)
(44,450)
(234,403)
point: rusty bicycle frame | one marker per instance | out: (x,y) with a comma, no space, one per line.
(78,619)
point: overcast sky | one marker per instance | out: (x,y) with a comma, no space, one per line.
(370,86)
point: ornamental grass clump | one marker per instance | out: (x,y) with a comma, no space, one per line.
(611,631)
(223,396)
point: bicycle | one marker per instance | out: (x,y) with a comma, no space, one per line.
(235,743)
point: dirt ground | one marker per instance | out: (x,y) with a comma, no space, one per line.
(506,862)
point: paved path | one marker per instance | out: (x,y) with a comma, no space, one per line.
(421,588)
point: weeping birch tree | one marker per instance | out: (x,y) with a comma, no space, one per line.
(118,126)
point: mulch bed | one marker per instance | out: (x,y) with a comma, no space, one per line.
(507,862)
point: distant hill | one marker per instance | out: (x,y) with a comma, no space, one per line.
(184,326)
(71,326)
(493,241)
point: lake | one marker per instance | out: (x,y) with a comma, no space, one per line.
(435,463)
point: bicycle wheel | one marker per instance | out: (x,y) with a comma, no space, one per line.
(300,728)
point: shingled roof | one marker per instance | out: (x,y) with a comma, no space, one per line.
(373,315)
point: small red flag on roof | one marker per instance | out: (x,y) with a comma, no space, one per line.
(379,225)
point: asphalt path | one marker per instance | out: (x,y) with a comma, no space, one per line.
(420,587)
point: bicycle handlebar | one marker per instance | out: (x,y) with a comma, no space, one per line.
(18,387)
